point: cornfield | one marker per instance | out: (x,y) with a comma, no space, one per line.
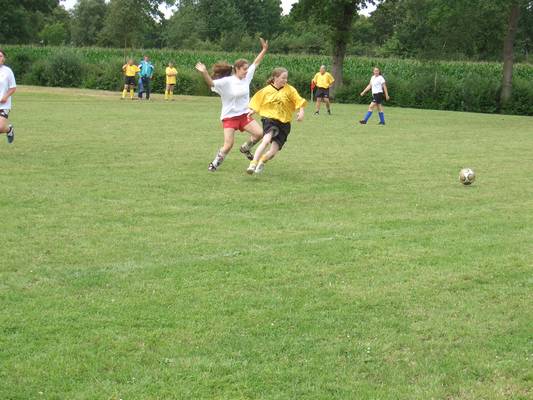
(449,85)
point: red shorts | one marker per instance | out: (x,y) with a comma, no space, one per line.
(238,122)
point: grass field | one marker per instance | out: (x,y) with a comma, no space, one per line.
(355,267)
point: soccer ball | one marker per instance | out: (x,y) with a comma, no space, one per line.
(467,176)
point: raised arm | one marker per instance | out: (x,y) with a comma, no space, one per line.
(259,58)
(203,70)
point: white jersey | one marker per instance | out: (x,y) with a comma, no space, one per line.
(235,93)
(7,81)
(377,83)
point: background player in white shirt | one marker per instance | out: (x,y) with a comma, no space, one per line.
(232,83)
(8,86)
(379,89)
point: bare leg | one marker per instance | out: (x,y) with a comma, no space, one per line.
(318,101)
(256,133)
(229,140)
(326,100)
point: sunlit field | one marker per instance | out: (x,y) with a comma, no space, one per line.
(355,267)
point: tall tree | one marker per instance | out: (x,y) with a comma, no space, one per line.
(338,16)
(87,21)
(131,22)
(22,20)
(508,53)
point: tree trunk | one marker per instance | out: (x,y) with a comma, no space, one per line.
(507,81)
(341,36)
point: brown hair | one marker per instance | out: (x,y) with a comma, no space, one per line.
(379,69)
(222,69)
(3,52)
(275,73)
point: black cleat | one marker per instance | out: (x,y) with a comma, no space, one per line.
(247,153)
(381,123)
(362,122)
(316,113)
(10,134)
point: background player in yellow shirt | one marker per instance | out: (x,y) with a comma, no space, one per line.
(130,70)
(323,80)
(171,73)
(275,104)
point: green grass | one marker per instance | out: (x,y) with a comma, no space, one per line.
(355,267)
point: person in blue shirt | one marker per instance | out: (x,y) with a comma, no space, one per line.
(140,90)
(147,72)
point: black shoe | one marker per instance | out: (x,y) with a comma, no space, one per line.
(381,123)
(247,153)
(10,134)
(362,122)
(316,112)
(211,167)
(329,112)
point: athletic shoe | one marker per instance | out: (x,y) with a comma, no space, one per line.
(362,122)
(10,134)
(259,168)
(381,123)
(247,153)
(329,112)
(211,167)
(251,168)
(316,112)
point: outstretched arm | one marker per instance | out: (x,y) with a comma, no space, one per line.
(203,70)
(366,89)
(259,58)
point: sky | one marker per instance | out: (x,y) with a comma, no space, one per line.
(285,4)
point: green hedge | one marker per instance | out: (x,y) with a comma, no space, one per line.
(460,86)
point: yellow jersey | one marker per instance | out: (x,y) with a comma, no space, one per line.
(171,75)
(278,104)
(324,80)
(130,70)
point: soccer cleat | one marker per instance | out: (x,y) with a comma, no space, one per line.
(211,167)
(244,150)
(329,112)
(381,123)
(259,168)
(316,112)
(10,134)
(362,122)
(251,168)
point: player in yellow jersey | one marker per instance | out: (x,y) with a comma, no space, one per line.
(323,81)
(130,70)
(171,73)
(276,104)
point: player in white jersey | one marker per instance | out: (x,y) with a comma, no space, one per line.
(8,86)
(379,90)
(232,83)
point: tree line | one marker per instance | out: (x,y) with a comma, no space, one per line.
(423,29)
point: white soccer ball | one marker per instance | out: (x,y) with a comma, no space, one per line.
(467,176)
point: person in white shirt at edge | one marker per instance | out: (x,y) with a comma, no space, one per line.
(379,87)
(8,86)
(232,83)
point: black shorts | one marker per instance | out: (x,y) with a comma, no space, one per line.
(129,80)
(322,92)
(279,130)
(377,98)
(4,113)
